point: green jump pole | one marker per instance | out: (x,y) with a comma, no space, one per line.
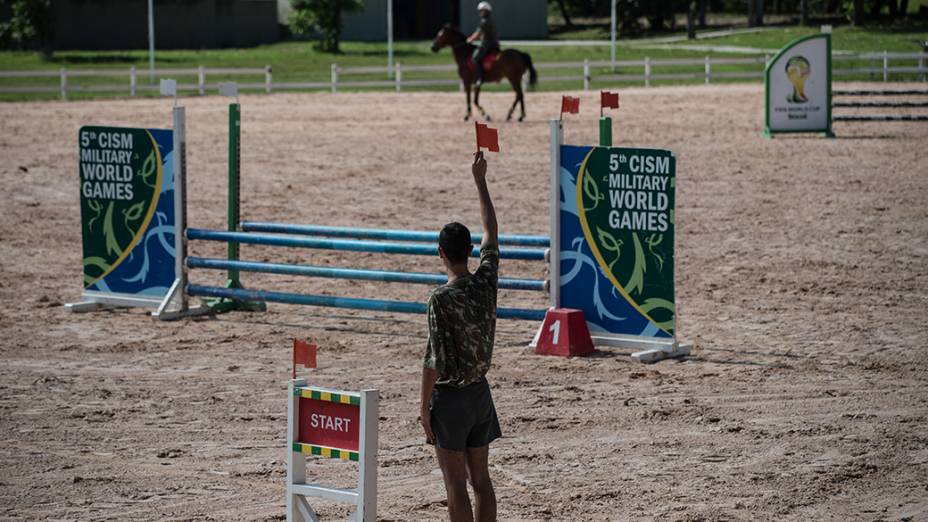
(605,131)
(234,216)
(235,152)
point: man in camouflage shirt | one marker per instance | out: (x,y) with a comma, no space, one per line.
(457,411)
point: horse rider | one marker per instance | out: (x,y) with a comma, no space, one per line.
(489,39)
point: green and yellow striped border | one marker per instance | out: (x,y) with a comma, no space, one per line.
(323,451)
(319,395)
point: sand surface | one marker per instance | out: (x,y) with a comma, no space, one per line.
(802,269)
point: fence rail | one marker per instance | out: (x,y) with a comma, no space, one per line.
(707,70)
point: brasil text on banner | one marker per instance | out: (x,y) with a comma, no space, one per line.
(617,238)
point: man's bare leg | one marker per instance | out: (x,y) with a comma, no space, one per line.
(484,496)
(453,466)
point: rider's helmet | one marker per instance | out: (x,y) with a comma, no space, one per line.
(484,6)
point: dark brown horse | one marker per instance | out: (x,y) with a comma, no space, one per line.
(511,65)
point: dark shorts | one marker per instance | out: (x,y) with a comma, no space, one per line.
(464,417)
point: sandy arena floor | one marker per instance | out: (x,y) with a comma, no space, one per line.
(802,279)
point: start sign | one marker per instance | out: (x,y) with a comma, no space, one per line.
(329,419)
(331,424)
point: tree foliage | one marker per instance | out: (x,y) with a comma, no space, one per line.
(29,27)
(323,19)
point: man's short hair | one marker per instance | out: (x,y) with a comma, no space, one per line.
(454,240)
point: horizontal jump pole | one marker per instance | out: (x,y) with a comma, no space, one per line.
(906,117)
(349,273)
(902,104)
(407,307)
(379,233)
(880,93)
(530,254)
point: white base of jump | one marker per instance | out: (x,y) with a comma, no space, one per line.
(92,301)
(177,298)
(650,350)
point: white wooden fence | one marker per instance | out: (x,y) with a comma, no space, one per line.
(705,70)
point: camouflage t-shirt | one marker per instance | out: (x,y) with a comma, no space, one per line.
(462,324)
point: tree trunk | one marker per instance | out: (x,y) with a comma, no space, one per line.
(691,21)
(752,13)
(759,12)
(703,5)
(563,7)
(804,11)
(859,15)
(903,8)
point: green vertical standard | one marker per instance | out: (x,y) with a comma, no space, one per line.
(234,217)
(235,152)
(605,131)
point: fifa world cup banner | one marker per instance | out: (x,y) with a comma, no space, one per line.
(127,213)
(616,214)
(798,87)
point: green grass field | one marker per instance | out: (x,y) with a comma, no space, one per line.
(299,61)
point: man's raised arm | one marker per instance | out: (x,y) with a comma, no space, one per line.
(487,213)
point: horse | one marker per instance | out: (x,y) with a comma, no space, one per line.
(510,64)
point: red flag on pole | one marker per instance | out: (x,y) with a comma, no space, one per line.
(303,353)
(608,100)
(570,105)
(487,137)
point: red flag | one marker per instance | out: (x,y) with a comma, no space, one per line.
(487,137)
(609,100)
(570,105)
(303,353)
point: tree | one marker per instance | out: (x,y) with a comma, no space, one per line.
(566,16)
(29,26)
(691,20)
(322,17)
(858,15)
(755,13)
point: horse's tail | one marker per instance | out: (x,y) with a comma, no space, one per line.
(532,73)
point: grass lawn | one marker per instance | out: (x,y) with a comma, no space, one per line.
(844,38)
(300,62)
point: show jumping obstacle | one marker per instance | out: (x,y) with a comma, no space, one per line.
(343,239)
(881,104)
(585,281)
(799,96)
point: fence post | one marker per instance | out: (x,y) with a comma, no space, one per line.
(133,82)
(885,67)
(708,69)
(398,77)
(334,77)
(267,79)
(201,80)
(586,74)
(64,84)
(647,71)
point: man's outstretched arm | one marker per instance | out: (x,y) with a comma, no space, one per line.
(487,212)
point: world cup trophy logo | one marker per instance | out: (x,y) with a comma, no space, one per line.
(798,71)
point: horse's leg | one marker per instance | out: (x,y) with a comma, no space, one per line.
(467,93)
(477,103)
(517,87)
